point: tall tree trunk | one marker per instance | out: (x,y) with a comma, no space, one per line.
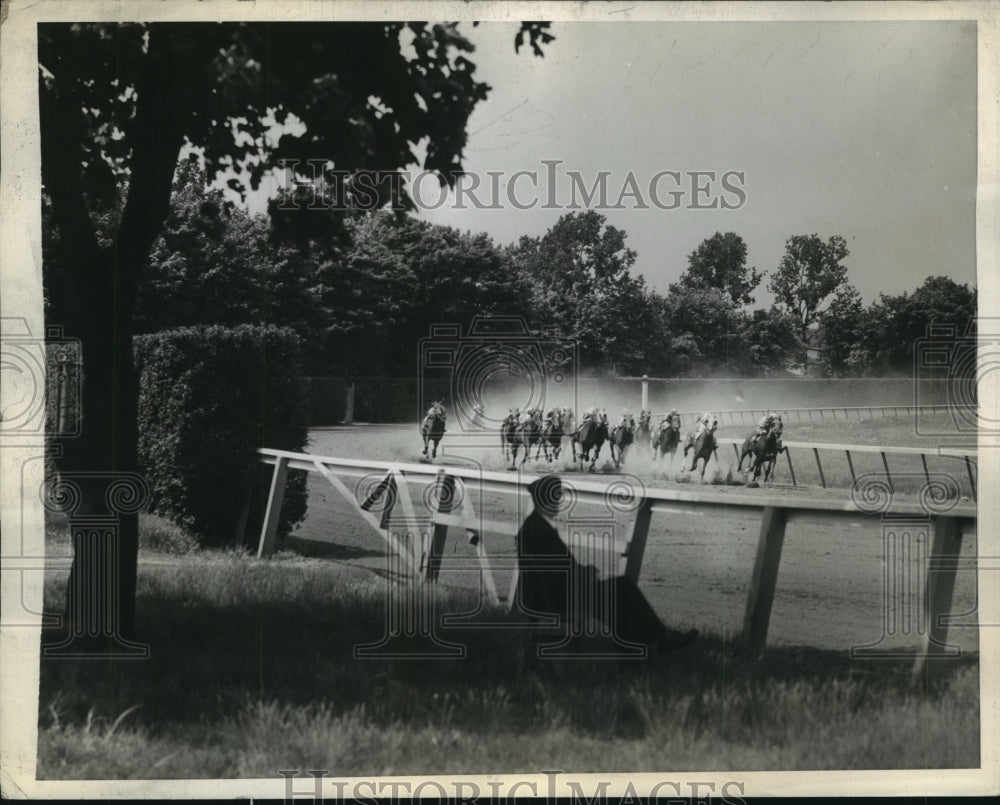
(103,462)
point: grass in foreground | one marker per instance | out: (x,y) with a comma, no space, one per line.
(253,671)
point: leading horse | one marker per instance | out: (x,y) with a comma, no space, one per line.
(433,427)
(622,437)
(508,432)
(526,435)
(703,446)
(764,451)
(644,431)
(666,439)
(591,434)
(551,436)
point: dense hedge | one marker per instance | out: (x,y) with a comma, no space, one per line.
(209,397)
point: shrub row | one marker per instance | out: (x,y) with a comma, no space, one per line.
(209,397)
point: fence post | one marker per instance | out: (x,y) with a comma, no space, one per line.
(819,466)
(439,531)
(645,392)
(940,585)
(972,481)
(791,469)
(269,531)
(637,542)
(765,577)
(850,464)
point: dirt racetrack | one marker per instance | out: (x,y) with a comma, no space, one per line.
(832,583)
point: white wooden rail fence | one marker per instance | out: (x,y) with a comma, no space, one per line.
(423,555)
(833,413)
(967,457)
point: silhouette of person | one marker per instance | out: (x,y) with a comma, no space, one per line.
(545,567)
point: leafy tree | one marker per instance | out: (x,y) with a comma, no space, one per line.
(215,263)
(767,340)
(839,325)
(720,262)
(710,322)
(889,330)
(808,273)
(580,275)
(399,277)
(119,101)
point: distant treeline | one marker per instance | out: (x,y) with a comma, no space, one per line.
(363,298)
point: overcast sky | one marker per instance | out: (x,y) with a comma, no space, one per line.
(860,129)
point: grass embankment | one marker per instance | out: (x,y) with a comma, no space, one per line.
(253,671)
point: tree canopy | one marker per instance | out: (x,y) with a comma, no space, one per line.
(720,262)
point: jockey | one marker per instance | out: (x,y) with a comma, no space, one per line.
(765,424)
(625,418)
(668,420)
(702,424)
(589,415)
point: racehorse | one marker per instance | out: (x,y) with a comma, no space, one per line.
(433,427)
(566,421)
(508,432)
(644,431)
(621,437)
(591,434)
(703,445)
(527,434)
(551,436)
(666,439)
(764,451)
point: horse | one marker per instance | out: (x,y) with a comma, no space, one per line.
(666,439)
(527,434)
(591,434)
(644,431)
(621,437)
(764,451)
(703,446)
(508,432)
(433,428)
(551,436)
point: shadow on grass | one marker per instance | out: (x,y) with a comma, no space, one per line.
(314,549)
(217,648)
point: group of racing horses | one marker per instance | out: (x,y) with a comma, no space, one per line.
(520,431)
